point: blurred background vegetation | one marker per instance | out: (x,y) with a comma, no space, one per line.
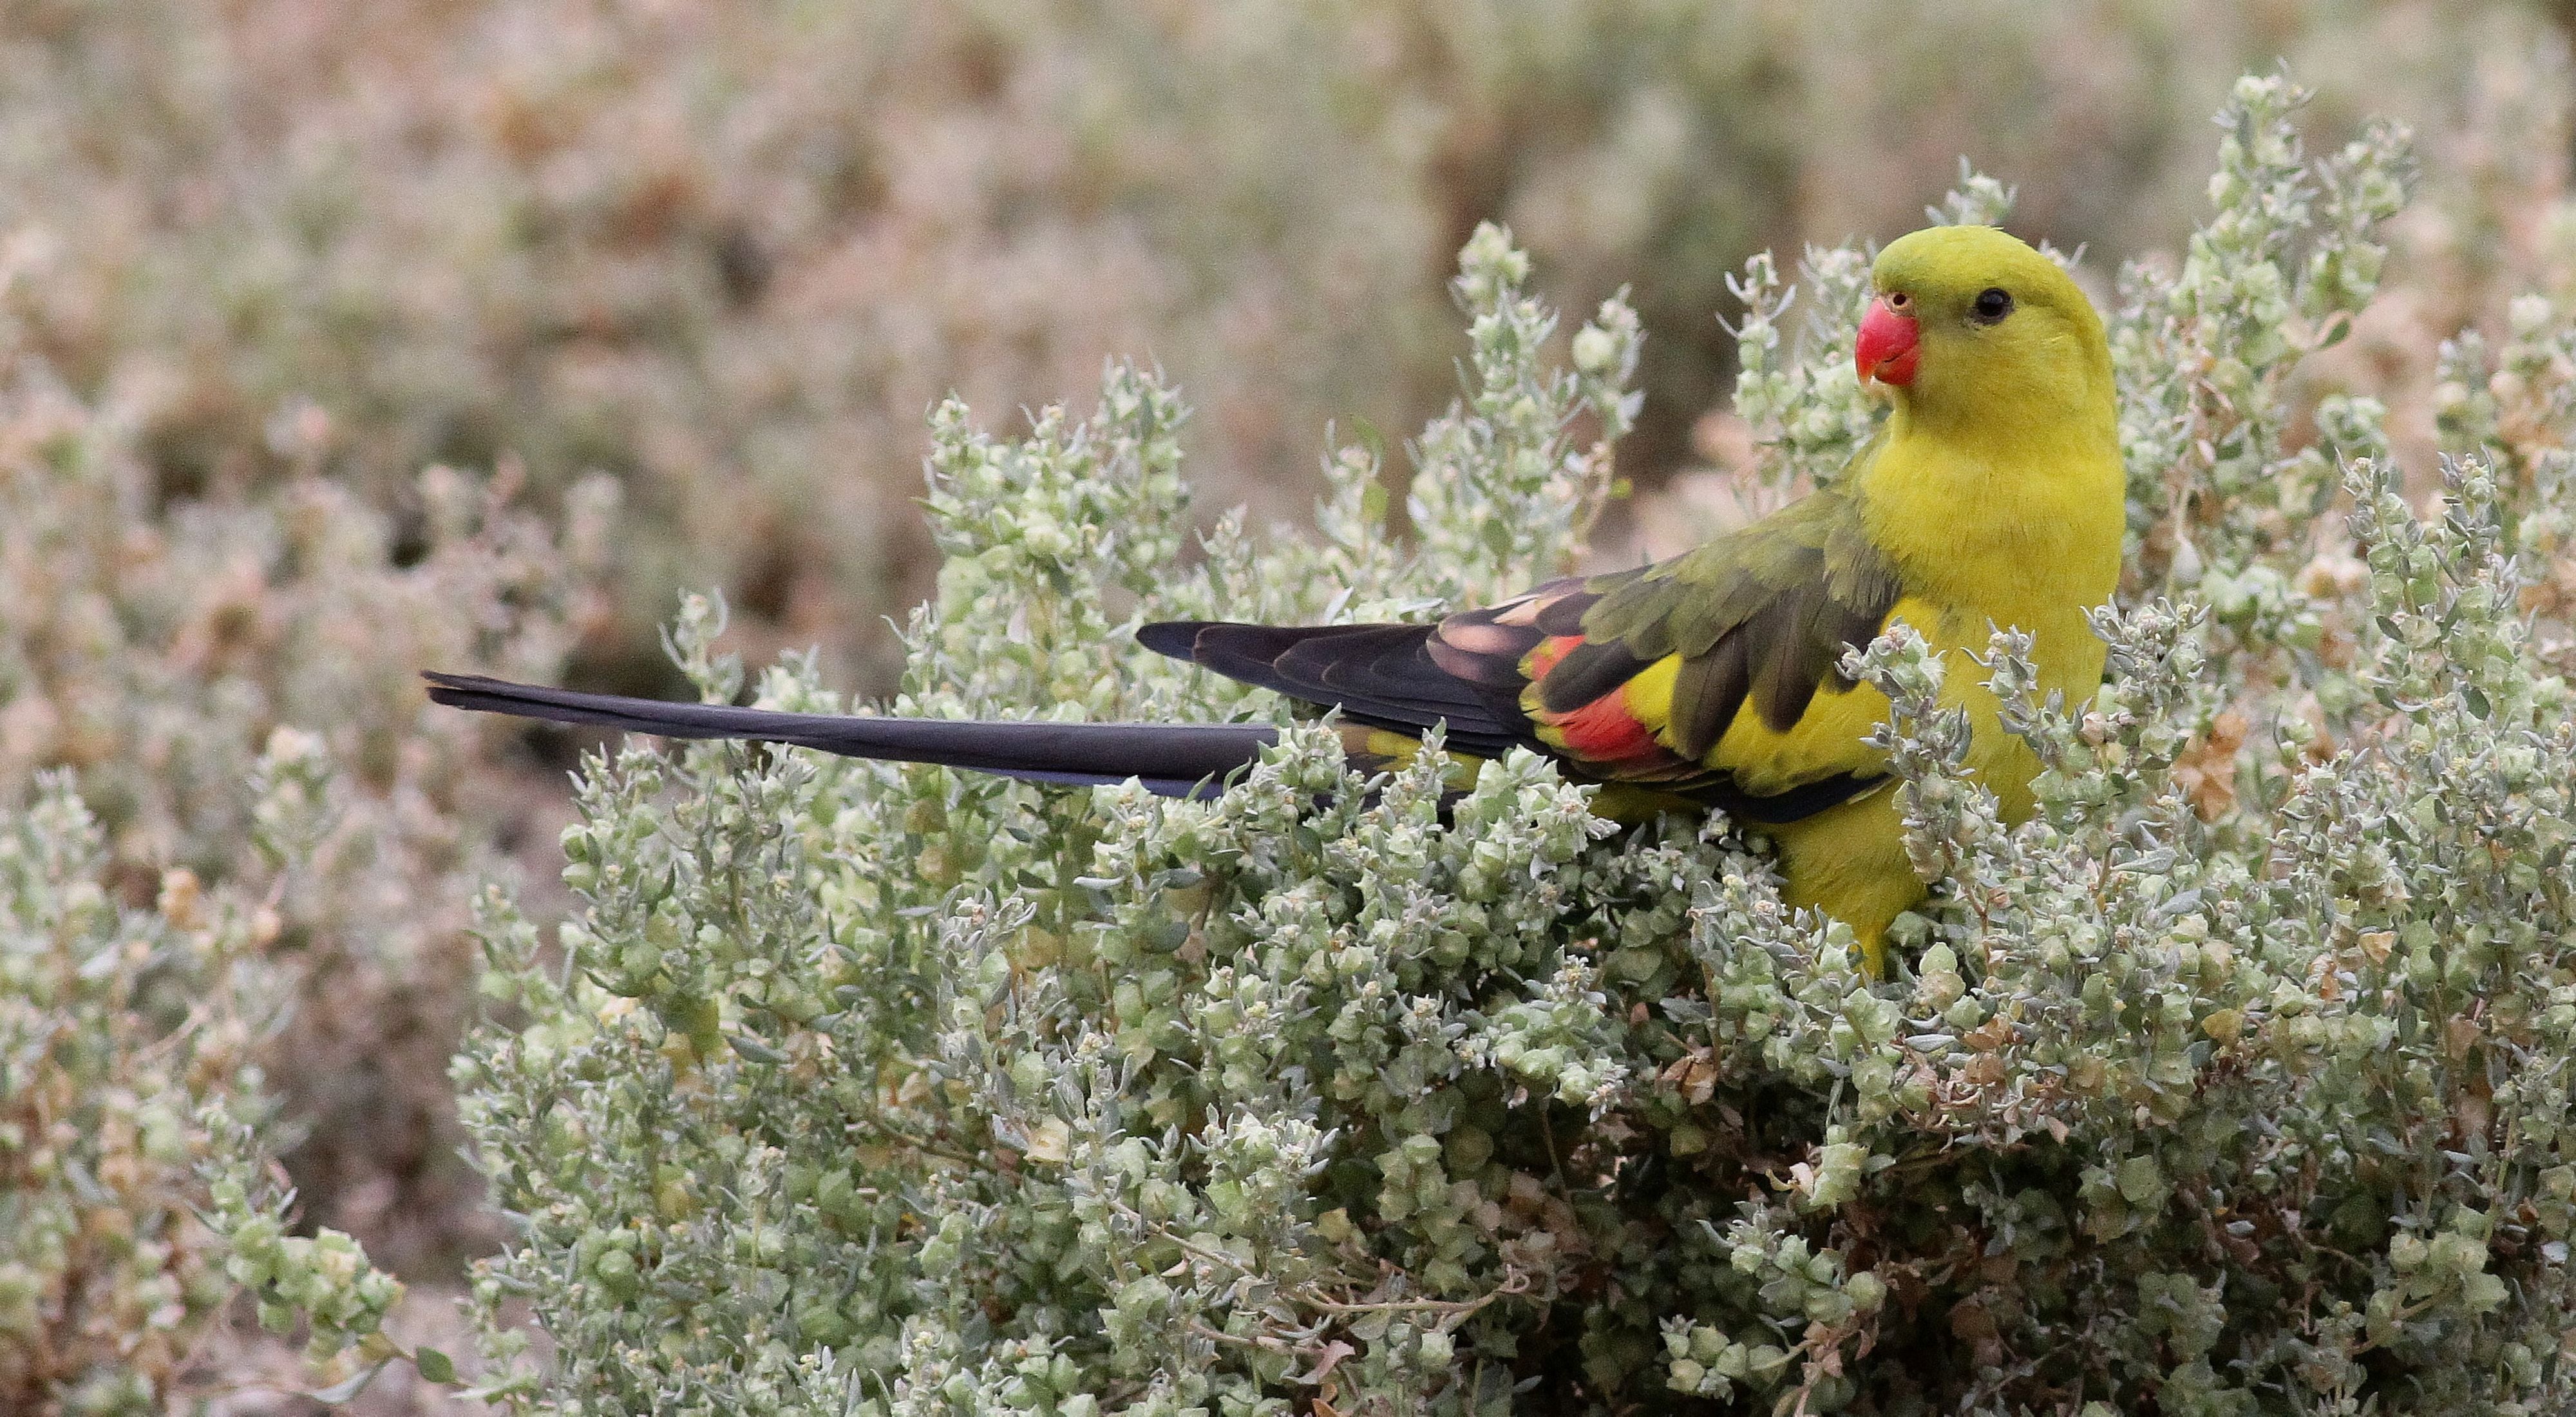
(671,287)
(731,255)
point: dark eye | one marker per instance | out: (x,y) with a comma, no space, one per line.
(1993,303)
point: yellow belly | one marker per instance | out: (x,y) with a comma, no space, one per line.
(1850,861)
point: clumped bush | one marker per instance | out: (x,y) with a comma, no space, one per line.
(2234,1082)
(238,854)
(116,1026)
(154,649)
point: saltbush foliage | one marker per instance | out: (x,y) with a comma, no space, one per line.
(236,852)
(152,649)
(116,1025)
(2234,1082)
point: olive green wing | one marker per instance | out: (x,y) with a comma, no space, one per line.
(1646,676)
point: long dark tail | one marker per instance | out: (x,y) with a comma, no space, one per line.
(1379,676)
(1176,760)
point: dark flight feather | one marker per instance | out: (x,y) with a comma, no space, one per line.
(1382,676)
(1706,693)
(1587,671)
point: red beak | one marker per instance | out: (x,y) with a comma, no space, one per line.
(1886,349)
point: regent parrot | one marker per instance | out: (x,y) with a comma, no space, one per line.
(1992,495)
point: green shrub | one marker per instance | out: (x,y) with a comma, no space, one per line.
(2235,1082)
(237,853)
(130,1044)
(154,648)
(116,1025)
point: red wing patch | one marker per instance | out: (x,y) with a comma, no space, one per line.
(1604,733)
(1536,664)
(1600,732)
(1573,690)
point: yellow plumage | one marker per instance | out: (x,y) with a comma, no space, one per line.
(1996,494)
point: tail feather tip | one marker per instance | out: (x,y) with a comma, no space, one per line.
(1176,638)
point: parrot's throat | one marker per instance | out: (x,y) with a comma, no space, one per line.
(1999,522)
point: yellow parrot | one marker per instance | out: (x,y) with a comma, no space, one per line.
(1991,496)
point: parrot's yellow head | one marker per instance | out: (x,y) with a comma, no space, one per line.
(1971,330)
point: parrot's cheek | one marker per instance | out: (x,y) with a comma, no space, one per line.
(1888,347)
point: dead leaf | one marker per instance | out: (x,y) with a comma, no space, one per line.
(1327,1358)
(2206,770)
(1052,1140)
